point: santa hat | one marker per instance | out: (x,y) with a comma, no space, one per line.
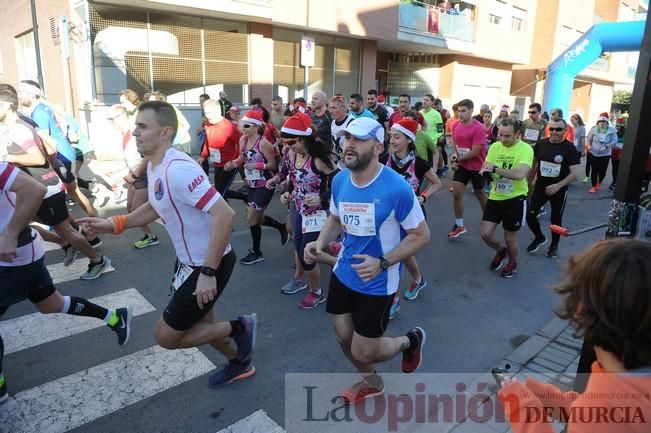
(602,119)
(504,108)
(604,114)
(407,127)
(253,117)
(380,99)
(298,107)
(298,124)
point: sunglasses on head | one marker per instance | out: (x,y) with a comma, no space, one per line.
(338,98)
(534,112)
(556,129)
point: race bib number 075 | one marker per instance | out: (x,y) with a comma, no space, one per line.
(358,219)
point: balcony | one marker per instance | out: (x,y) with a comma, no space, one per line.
(428,20)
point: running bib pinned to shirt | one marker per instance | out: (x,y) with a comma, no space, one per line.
(531,134)
(252,174)
(182,273)
(504,186)
(215,156)
(549,169)
(314,222)
(357,219)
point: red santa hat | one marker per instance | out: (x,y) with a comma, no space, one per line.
(407,127)
(298,124)
(253,117)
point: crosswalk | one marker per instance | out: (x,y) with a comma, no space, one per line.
(79,398)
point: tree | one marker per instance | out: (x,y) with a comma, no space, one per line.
(622,97)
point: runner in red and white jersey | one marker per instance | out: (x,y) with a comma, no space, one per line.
(199,223)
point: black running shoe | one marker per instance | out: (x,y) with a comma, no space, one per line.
(252,258)
(123,326)
(535,244)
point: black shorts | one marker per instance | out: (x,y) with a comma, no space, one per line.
(18,283)
(140,182)
(511,213)
(79,156)
(259,198)
(182,312)
(301,239)
(53,210)
(370,313)
(462,175)
(66,171)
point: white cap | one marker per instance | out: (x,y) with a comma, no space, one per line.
(364,128)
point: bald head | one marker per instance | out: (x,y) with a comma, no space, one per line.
(319,100)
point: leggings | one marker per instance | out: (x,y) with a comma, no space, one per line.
(588,164)
(538,199)
(599,169)
(615,169)
(223,181)
(301,239)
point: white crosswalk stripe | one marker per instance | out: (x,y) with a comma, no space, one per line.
(34,329)
(61,274)
(75,400)
(257,422)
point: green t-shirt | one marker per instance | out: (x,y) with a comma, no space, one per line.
(435,127)
(423,143)
(509,158)
(532,132)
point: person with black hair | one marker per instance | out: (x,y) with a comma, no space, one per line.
(357,107)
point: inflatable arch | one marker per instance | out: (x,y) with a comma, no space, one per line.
(600,38)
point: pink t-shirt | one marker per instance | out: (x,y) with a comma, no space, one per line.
(465,136)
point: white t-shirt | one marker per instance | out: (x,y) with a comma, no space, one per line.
(179,191)
(35,249)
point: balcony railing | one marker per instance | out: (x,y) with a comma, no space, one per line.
(431,20)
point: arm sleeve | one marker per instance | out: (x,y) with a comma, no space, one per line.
(189,185)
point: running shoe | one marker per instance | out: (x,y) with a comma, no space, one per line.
(4,395)
(83,183)
(541,212)
(284,236)
(586,179)
(451,189)
(395,306)
(552,252)
(252,258)
(96,242)
(536,244)
(413,355)
(414,289)
(312,300)
(509,270)
(456,231)
(230,373)
(363,389)
(95,270)
(592,190)
(293,286)
(146,241)
(498,260)
(245,340)
(71,255)
(123,326)
(119,196)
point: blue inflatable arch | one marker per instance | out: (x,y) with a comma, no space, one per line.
(600,38)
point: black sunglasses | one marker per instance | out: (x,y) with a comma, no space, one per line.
(534,112)
(246,125)
(290,141)
(556,129)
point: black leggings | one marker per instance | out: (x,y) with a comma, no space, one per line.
(615,170)
(223,181)
(538,199)
(599,169)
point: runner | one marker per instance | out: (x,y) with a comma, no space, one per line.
(199,224)
(340,120)
(435,128)
(321,118)
(357,109)
(404,105)
(25,149)
(136,178)
(601,140)
(382,224)
(508,162)
(534,126)
(557,168)
(310,171)
(469,138)
(404,160)
(23,274)
(258,159)
(379,112)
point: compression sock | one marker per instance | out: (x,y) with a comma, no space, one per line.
(82,307)
(270,222)
(256,234)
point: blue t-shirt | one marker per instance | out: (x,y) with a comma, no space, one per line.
(364,113)
(44,117)
(374,218)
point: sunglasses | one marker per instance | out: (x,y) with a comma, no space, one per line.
(534,112)
(338,98)
(290,141)
(556,129)
(246,125)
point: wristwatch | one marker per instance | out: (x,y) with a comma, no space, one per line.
(208,271)
(384,264)
(494,168)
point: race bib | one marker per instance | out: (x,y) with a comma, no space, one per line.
(215,156)
(252,174)
(314,222)
(182,273)
(549,169)
(503,186)
(358,219)
(531,134)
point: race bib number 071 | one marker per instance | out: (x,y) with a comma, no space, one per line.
(358,219)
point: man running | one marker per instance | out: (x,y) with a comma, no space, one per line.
(558,166)
(508,162)
(533,128)
(357,109)
(199,224)
(23,274)
(435,128)
(382,224)
(321,118)
(469,138)
(378,111)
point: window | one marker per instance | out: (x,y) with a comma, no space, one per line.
(518,18)
(26,57)
(498,10)
(494,19)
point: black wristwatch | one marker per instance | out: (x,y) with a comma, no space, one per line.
(384,264)
(208,271)
(494,168)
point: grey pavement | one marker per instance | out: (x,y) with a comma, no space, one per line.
(473,317)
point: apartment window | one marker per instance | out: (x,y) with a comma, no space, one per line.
(518,18)
(497,12)
(494,19)
(26,56)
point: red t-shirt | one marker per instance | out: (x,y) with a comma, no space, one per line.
(465,136)
(397,117)
(224,139)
